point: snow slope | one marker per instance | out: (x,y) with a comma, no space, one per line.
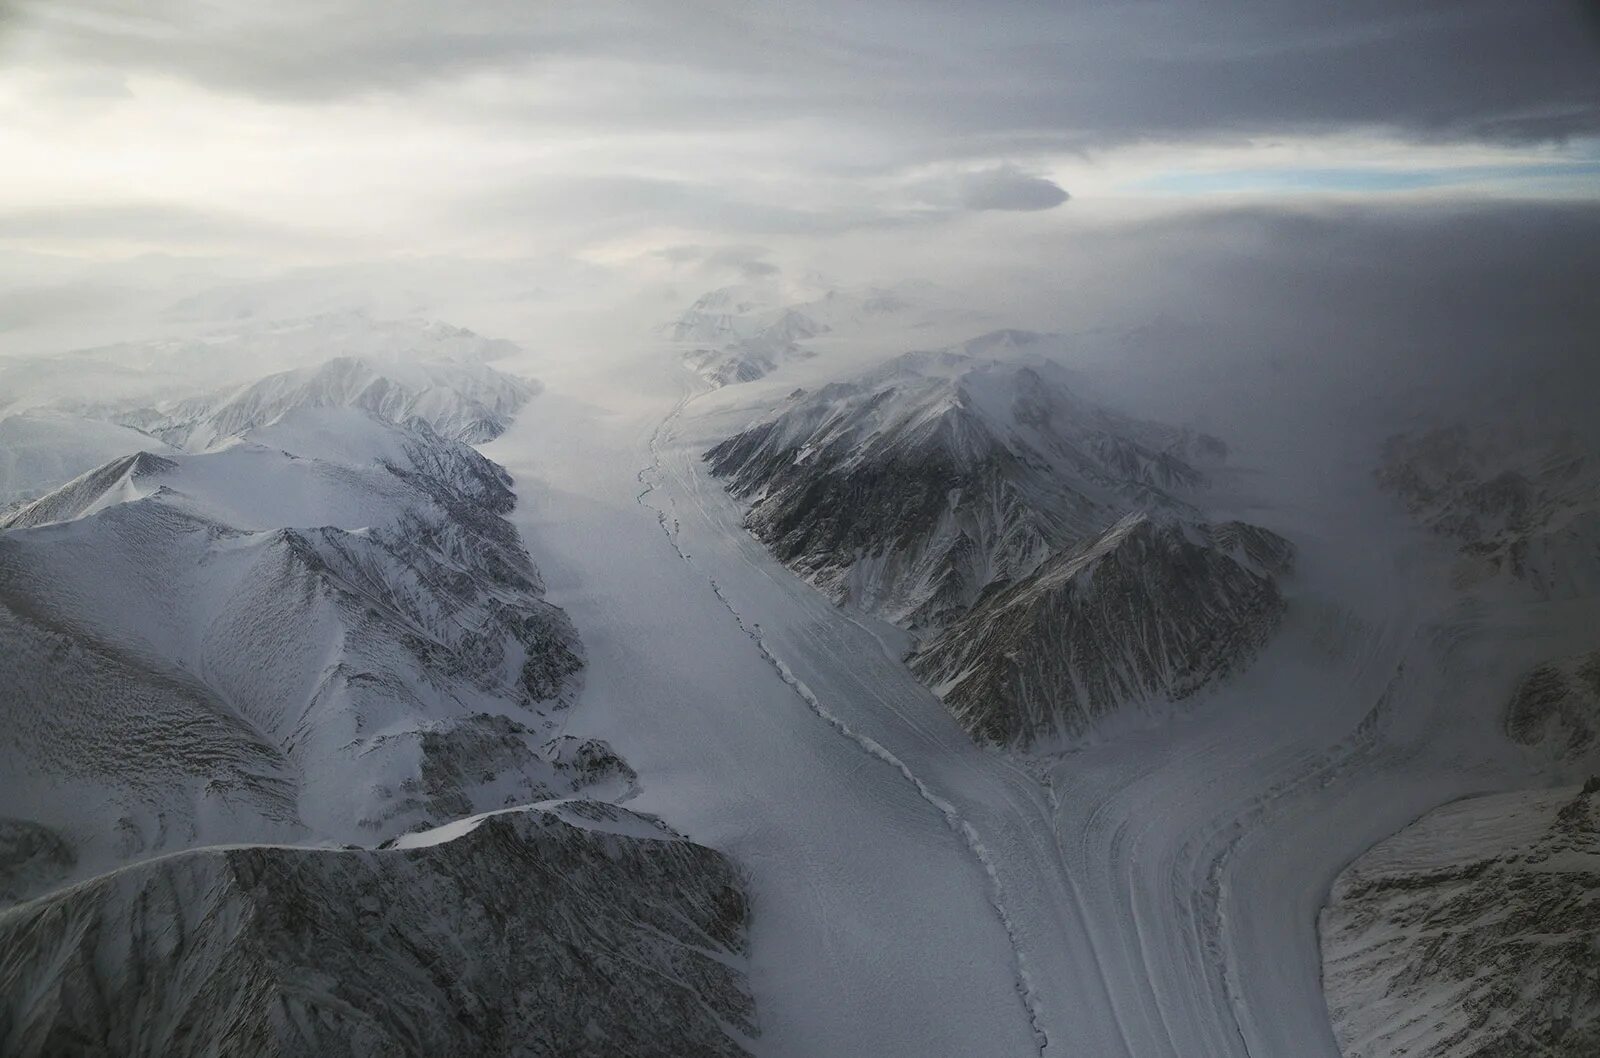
(350,642)
(470,403)
(42,449)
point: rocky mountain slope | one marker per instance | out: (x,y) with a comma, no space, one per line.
(975,500)
(1556,706)
(1147,610)
(571,928)
(1472,932)
(1521,505)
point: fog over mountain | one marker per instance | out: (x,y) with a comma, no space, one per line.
(799,529)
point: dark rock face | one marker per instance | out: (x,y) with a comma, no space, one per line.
(1471,933)
(975,502)
(579,930)
(908,491)
(1143,611)
(1520,504)
(32,857)
(1558,704)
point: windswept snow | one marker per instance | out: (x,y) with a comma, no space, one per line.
(40,450)
(158,369)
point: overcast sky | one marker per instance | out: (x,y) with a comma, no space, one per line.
(345,129)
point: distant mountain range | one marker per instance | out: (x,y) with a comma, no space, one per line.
(744,332)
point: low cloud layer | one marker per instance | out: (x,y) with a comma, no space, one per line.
(327,129)
(1007,187)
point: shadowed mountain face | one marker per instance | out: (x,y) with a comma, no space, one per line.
(574,928)
(1144,611)
(976,502)
(1471,933)
(1557,706)
(1520,504)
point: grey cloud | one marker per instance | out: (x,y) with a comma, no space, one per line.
(1008,187)
(749,262)
(1317,318)
(135,222)
(956,78)
(621,204)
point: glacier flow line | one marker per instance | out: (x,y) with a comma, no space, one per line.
(1022,980)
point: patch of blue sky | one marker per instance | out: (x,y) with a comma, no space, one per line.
(1578,176)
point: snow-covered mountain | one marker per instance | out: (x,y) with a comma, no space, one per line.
(464,402)
(329,622)
(954,493)
(1151,609)
(1472,932)
(42,449)
(1521,504)
(287,768)
(907,491)
(142,373)
(572,927)
(743,332)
